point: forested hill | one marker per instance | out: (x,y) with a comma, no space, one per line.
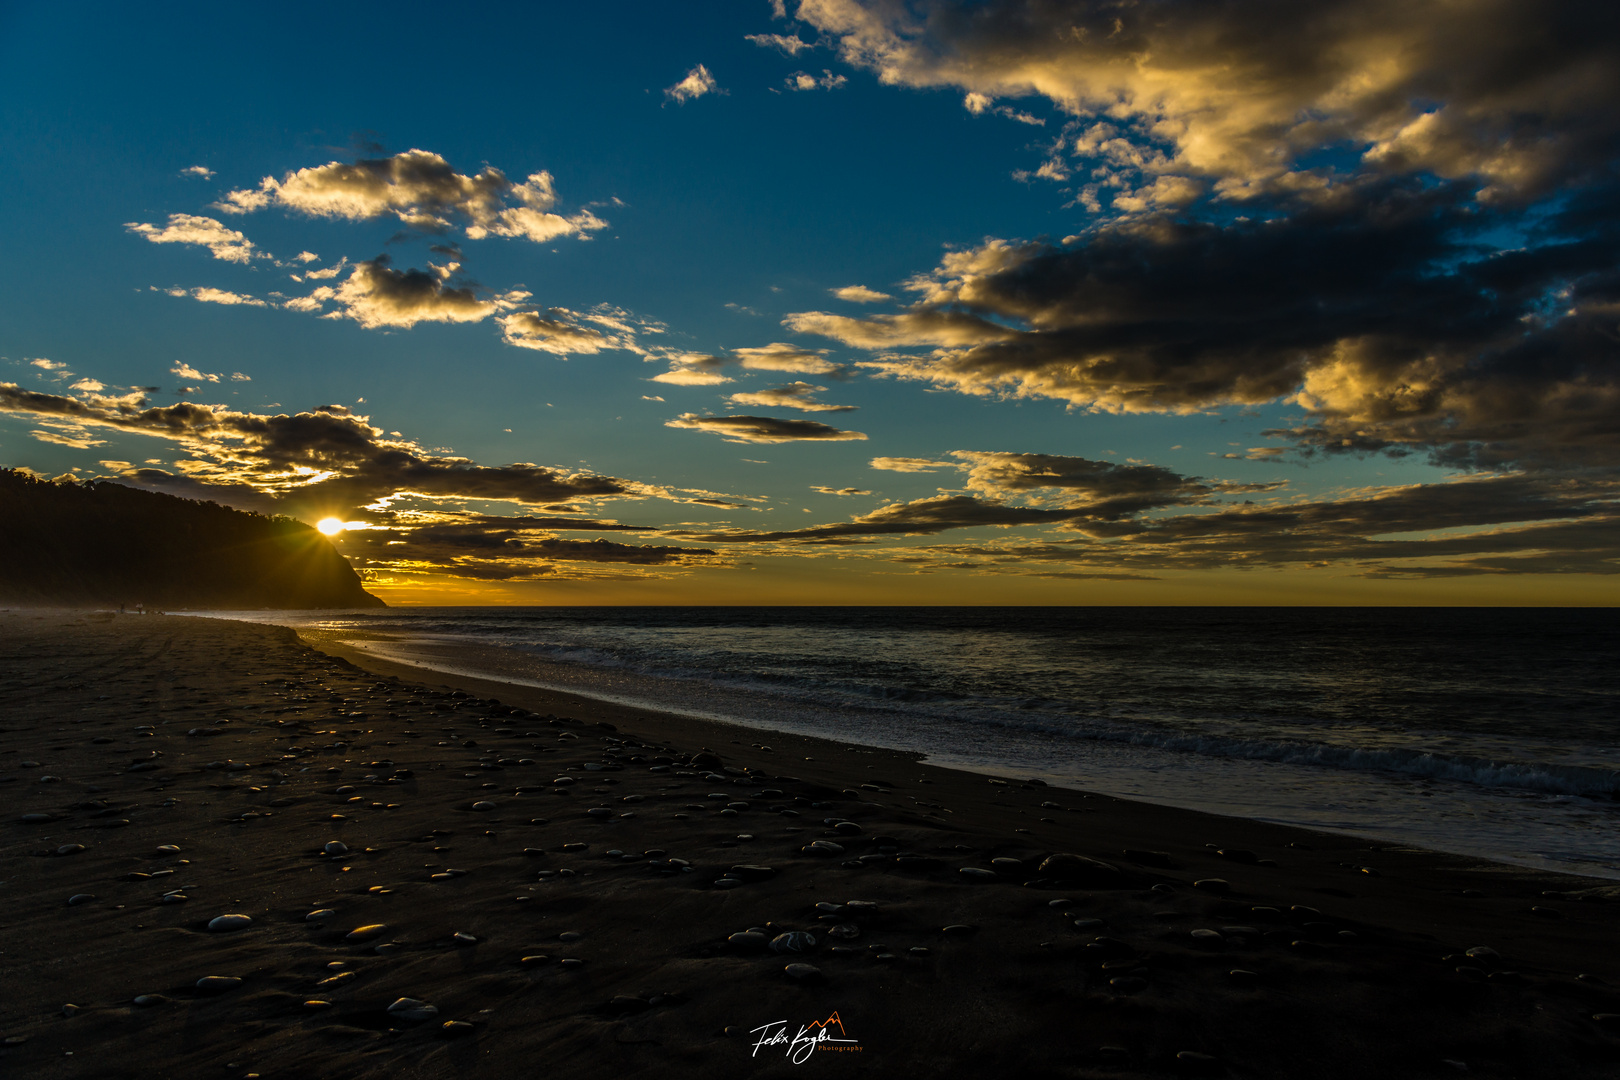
(103,544)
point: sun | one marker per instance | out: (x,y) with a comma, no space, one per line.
(330,526)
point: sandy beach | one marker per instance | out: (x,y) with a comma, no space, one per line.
(449,876)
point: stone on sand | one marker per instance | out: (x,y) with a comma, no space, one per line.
(412,1009)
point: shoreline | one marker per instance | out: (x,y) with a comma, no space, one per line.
(507,666)
(1355,955)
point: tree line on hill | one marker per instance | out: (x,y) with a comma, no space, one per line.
(101,544)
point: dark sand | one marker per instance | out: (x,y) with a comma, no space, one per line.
(250,751)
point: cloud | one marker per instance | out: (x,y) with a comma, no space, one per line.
(789,44)
(825,81)
(186,371)
(780,356)
(495,548)
(687,376)
(860,294)
(839,491)
(47,365)
(422,190)
(209,295)
(909,464)
(920,518)
(1103,488)
(375,294)
(60,438)
(1469,527)
(693,369)
(1383,313)
(202,172)
(795,395)
(697,82)
(920,327)
(557,332)
(93,386)
(309,461)
(762,429)
(1231,96)
(224,243)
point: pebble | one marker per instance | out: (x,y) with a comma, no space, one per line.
(802,972)
(1208,936)
(463,939)
(229,922)
(974,873)
(70,849)
(411,1009)
(1243,977)
(794,941)
(1219,886)
(80,898)
(454,1029)
(317,1003)
(844,931)
(599,812)
(218,984)
(748,939)
(533,960)
(483,805)
(1079,869)
(571,935)
(35,819)
(146,1001)
(336,848)
(572,963)
(317,916)
(366,933)
(1128,984)
(959,929)
(1089,924)
(169,849)
(823,847)
(752,872)
(71,1010)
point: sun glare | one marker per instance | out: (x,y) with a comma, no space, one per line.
(330,526)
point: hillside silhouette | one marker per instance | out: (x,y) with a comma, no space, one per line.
(104,544)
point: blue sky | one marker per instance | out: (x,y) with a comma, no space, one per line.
(1116,299)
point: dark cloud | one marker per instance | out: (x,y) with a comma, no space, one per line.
(375,294)
(422,190)
(1500,525)
(920,518)
(489,548)
(314,462)
(762,429)
(1378,313)
(1169,98)
(793,395)
(1400,215)
(1103,488)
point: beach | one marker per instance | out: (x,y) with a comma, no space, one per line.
(557,884)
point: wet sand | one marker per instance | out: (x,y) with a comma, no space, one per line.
(1205,945)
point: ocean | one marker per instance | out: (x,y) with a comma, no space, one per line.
(1484,732)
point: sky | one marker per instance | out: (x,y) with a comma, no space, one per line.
(838,301)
